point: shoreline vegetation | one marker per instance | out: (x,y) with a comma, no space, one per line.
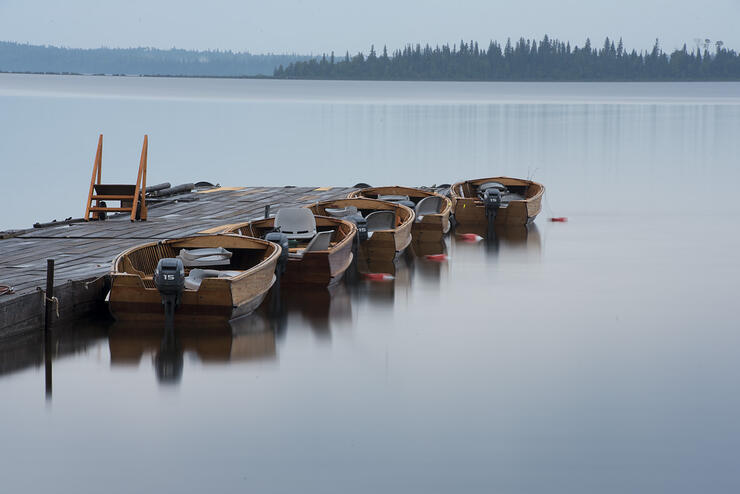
(527,60)
(37,59)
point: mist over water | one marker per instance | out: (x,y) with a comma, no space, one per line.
(598,355)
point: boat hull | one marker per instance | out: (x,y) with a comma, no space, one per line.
(216,301)
(470,210)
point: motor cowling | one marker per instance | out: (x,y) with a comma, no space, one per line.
(169,278)
(492,201)
(361,224)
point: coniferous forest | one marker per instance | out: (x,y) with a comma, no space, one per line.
(17,57)
(526,60)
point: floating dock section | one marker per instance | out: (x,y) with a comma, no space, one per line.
(83,251)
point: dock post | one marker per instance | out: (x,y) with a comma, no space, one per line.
(49,294)
(49,302)
(267,211)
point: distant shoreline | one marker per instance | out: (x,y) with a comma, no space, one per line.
(269,77)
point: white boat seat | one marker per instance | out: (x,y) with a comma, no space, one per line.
(428,205)
(321,241)
(296,223)
(212,256)
(341,212)
(196,276)
(398,199)
(393,197)
(381,220)
(512,196)
(491,185)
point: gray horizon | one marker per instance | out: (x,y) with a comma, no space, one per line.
(297,27)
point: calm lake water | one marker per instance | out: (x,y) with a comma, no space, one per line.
(598,355)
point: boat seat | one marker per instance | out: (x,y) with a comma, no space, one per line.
(341,212)
(428,205)
(196,276)
(321,241)
(512,196)
(381,220)
(393,197)
(212,256)
(398,199)
(296,223)
(491,185)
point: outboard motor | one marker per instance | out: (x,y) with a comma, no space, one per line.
(169,278)
(491,201)
(282,240)
(361,226)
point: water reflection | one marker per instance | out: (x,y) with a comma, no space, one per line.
(250,338)
(37,348)
(253,338)
(516,241)
(427,269)
(315,307)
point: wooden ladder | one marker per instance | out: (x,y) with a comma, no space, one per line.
(132,197)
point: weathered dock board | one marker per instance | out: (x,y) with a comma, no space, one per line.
(83,252)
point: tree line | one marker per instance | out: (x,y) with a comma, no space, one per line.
(525,60)
(17,57)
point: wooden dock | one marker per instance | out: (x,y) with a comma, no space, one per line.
(83,251)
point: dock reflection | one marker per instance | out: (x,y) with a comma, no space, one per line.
(34,349)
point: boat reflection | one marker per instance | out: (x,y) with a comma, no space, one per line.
(429,260)
(504,240)
(317,308)
(379,282)
(250,338)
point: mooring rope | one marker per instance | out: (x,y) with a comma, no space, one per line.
(53,300)
(6,290)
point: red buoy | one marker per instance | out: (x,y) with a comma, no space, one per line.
(378,276)
(469,237)
(436,257)
(559,219)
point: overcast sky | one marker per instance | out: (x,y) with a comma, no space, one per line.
(302,26)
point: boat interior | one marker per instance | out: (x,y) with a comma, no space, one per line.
(422,203)
(305,231)
(379,216)
(208,258)
(510,191)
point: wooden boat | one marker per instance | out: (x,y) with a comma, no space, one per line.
(520,201)
(251,272)
(320,267)
(384,241)
(432,220)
